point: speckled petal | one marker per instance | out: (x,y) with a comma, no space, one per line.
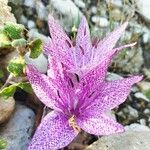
(43,87)
(62,45)
(83,43)
(105,46)
(48,46)
(101,125)
(53,133)
(111,95)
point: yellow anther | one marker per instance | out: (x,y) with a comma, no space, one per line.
(73,124)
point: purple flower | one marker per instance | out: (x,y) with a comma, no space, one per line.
(76,89)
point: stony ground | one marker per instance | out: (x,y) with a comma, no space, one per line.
(103,17)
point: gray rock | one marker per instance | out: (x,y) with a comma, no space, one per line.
(28,3)
(133,112)
(31,24)
(137,127)
(115,3)
(41,10)
(93,9)
(18,130)
(143,7)
(67,8)
(80,3)
(33,33)
(101,21)
(113,76)
(41,63)
(140,95)
(130,140)
(129,60)
(144,86)
(146,111)
(142,121)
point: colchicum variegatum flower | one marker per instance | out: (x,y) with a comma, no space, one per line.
(75,87)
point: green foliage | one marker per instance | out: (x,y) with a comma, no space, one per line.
(1,73)
(13,30)
(16,66)
(19,42)
(26,87)
(147,94)
(3,144)
(8,91)
(36,47)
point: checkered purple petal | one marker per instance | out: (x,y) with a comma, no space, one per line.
(53,133)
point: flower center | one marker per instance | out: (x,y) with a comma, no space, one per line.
(73,124)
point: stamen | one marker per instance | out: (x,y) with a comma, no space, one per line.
(73,124)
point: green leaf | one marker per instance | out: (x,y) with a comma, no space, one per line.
(16,66)
(1,73)
(3,144)
(26,87)
(36,48)
(8,91)
(19,42)
(147,94)
(13,30)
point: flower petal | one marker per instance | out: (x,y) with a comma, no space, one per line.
(83,43)
(62,45)
(111,94)
(101,125)
(43,87)
(105,47)
(53,133)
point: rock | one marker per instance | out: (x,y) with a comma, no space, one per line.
(142,122)
(113,76)
(6,109)
(129,60)
(144,86)
(18,130)
(146,111)
(29,3)
(31,24)
(117,15)
(94,9)
(115,3)
(68,9)
(143,7)
(80,3)
(140,95)
(41,10)
(146,36)
(40,63)
(23,20)
(136,127)
(129,140)
(33,33)
(101,21)
(133,112)
(5,13)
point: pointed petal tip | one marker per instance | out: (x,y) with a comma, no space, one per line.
(138,78)
(50,17)
(120,128)
(124,25)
